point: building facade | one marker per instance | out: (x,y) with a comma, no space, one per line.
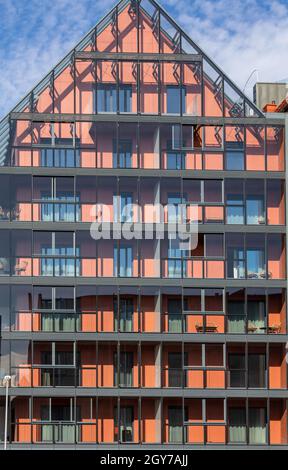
(119,343)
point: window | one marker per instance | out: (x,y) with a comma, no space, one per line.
(236,317)
(124,431)
(61,244)
(176,263)
(175,315)
(255,213)
(59,429)
(107,98)
(256,370)
(63,299)
(255,253)
(123,261)
(256,313)
(235,156)
(176,430)
(213,191)
(60,157)
(237,376)
(237,425)
(235,256)
(54,190)
(174,94)
(257,426)
(66,158)
(234,202)
(176,208)
(124,157)
(125,373)
(126,310)
(213,245)
(47,159)
(176,377)
(176,160)
(123,211)
(125,98)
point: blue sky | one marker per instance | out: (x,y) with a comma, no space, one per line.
(239,35)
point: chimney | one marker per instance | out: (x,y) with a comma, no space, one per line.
(270,107)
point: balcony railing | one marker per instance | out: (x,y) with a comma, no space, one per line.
(192,322)
(193,268)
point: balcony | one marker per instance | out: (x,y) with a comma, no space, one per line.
(146,146)
(150,365)
(109,421)
(127,309)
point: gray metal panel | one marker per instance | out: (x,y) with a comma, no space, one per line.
(141,57)
(153,338)
(141,172)
(68,281)
(202,228)
(169,119)
(146,447)
(144,392)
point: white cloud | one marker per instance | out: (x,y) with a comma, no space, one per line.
(239,35)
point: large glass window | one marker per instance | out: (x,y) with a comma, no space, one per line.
(235,156)
(107,98)
(257,426)
(175,370)
(175,424)
(235,256)
(122,158)
(255,253)
(176,99)
(237,425)
(256,370)
(175,315)
(124,430)
(255,211)
(122,206)
(256,311)
(234,192)
(126,310)
(123,377)
(123,261)
(176,264)
(237,372)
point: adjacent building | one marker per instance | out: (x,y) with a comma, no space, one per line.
(123,343)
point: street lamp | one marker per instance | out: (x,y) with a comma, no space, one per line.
(6,381)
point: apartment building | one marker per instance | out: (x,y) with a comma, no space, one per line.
(120,343)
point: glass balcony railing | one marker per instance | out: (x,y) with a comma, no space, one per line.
(194,268)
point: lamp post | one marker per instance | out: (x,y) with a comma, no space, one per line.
(6,382)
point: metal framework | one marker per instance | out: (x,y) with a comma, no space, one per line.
(236,110)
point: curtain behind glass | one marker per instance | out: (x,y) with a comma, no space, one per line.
(236,317)
(256,315)
(175,420)
(174,316)
(60,322)
(255,210)
(237,425)
(257,426)
(126,424)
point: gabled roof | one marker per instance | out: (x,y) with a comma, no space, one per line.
(232,93)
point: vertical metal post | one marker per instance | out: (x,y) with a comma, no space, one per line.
(6,381)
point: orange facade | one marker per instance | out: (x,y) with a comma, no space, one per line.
(122,341)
